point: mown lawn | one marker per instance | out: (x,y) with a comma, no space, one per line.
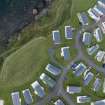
(24,66)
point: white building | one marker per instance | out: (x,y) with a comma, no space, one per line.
(53,69)
(101,3)
(27,96)
(87,38)
(59,102)
(73,89)
(1,102)
(103,27)
(68,32)
(93,49)
(88,78)
(47,80)
(83,18)
(83,99)
(98,9)
(65,52)
(38,89)
(56,37)
(97,85)
(80,69)
(100,102)
(93,14)
(16,100)
(100,56)
(104,86)
(98,34)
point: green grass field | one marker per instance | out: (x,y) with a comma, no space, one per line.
(25,61)
(25,65)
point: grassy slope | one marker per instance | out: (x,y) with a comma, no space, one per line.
(24,66)
(24,61)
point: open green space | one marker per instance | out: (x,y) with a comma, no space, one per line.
(28,60)
(24,66)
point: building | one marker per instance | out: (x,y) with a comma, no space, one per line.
(16,98)
(83,99)
(47,80)
(59,102)
(101,3)
(68,32)
(94,14)
(97,85)
(100,102)
(1,102)
(87,38)
(65,52)
(98,34)
(102,25)
(86,71)
(79,69)
(87,79)
(104,62)
(83,18)
(99,9)
(104,86)
(73,89)
(53,69)
(27,96)
(93,49)
(73,66)
(56,37)
(100,56)
(38,89)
